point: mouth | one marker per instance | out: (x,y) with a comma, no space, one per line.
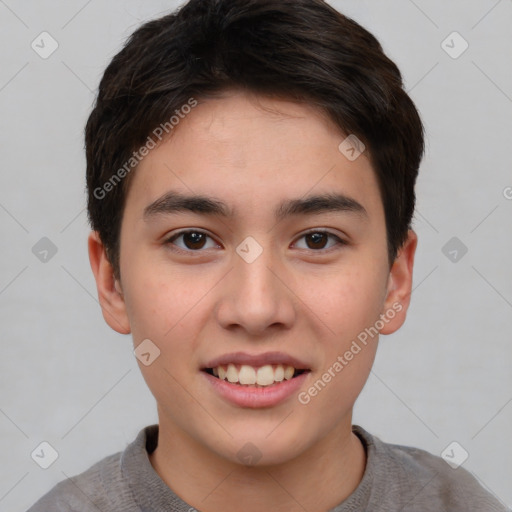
(265,376)
(256,380)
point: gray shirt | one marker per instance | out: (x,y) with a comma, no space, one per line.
(396,478)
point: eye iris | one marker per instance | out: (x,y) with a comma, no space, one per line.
(194,240)
(317,238)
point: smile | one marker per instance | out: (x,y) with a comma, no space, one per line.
(246,375)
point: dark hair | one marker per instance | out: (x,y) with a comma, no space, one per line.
(302,50)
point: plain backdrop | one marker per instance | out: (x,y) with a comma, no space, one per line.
(66,378)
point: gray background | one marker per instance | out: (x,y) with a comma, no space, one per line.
(67,379)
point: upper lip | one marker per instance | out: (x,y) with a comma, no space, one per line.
(257,360)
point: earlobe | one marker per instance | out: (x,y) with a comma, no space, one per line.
(110,294)
(400,285)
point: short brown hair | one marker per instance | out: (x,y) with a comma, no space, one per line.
(303,50)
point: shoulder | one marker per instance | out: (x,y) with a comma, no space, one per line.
(85,492)
(424,481)
(104,486)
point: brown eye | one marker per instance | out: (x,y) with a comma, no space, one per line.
(319,240)
(192,241)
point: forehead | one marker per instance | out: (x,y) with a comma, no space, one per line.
(253,152)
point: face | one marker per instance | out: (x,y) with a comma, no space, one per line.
(252,247)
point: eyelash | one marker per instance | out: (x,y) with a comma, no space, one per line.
(170,240)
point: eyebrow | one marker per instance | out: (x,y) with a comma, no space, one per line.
(175,202)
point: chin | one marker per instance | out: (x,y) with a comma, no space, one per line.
(260,447)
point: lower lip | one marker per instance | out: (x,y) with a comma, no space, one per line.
(256,397)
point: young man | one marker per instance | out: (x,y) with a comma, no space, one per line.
(250,169)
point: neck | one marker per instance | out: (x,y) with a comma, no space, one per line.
(318,479)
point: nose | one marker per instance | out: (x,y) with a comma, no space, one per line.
(256,296)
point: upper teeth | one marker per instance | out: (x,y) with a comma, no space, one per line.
(262,376)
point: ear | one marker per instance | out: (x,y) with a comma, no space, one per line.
(399,286)
(109,289)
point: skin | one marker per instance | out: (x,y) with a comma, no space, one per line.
(252,153)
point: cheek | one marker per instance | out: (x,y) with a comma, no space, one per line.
(347,353)
(160,304)
(164,310)
(348,300)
